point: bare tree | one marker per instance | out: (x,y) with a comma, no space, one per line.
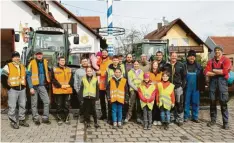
(126,42)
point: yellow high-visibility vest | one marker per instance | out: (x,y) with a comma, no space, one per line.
(165,95)
(135,79)
(89,87)
(147,93)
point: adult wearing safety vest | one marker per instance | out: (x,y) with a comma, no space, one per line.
(38,78)
(146,92)
(13,78)
(135,77)
(165,98)
(117,94)
(62,81)
(194,85)
(178,78)
(217,70)
(155,77)
(105,62)
(79,74)
(89,92)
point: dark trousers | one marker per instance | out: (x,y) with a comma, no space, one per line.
(63,105)
(147,115)
(89,108)
(156,113)
(219,90)
(102,97)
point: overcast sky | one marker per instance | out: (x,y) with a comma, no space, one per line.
(206,18)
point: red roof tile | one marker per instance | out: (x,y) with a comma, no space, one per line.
(227,42)
(92,21)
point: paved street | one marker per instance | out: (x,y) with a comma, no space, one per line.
(130,133)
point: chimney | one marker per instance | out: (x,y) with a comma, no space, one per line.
(159,25)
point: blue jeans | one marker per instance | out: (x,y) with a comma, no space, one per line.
(165,115)
(117,111)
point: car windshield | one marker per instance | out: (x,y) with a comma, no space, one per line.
(54,42)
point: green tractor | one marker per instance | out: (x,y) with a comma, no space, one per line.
(52,42)
(150,47)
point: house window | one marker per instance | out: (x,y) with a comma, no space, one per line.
(71,28)
(174,42)
(185,41)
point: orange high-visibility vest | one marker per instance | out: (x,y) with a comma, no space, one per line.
(15,78)
(63,76)
(103,68)
(34,70)
(117,93)
(155,78)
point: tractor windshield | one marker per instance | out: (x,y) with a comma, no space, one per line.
(51,42)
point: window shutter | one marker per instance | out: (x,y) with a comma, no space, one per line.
(74,28)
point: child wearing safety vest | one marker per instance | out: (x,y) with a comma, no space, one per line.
(117,95)
(146,92)
(165,99)
(89,92)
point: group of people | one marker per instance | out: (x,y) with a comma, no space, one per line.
(157,92)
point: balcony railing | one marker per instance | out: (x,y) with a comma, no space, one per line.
(183,49)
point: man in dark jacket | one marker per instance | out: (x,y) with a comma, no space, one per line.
(161,62)
(195,80)
(178,78)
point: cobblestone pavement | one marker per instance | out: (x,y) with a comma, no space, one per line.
(189,132)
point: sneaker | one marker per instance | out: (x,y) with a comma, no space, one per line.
(87,125)
(68,122)
(81,118)
(96,126)
(14,125)
(185,120)
(114,125)
(155,123)
(23,123)
(126,120)
(145,126)
(46,121)
(196,120)
(159,123)
(179,124)
(120,125)
(166,126)
(149,126)
(139,121)
(37,121)
(60,123)
(211,123)
(103,118)
(225,126)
